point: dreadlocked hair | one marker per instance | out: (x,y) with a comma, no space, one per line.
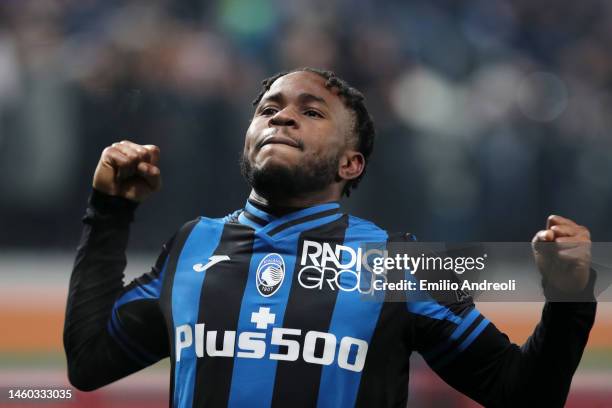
(353,100)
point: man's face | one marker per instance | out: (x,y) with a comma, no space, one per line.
(299,131)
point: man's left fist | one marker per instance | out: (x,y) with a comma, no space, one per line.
(563,253)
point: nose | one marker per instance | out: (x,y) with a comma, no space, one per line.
(283,118)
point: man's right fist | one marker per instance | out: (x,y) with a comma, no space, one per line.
(128,170)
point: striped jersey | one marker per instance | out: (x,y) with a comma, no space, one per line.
(258,310)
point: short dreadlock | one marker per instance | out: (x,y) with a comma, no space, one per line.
(353,100)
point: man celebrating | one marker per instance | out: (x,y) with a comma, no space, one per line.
(244,306)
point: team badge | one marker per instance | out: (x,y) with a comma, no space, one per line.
(270,274)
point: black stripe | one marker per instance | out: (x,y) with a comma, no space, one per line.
(172,368)
(133,317)
(128,346)
(302,220)
(175,246)
(220,303)
(254,218)
(297,382)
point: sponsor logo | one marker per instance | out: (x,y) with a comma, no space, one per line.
(335,268)
(270,274)
(213,260)
(348,353)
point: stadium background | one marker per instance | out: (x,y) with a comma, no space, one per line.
(491,115)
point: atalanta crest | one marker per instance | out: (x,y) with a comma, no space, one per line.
(270,274)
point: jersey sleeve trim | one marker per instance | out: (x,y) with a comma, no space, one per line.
(469,325)
(461,328)
(447,358)
(433,310)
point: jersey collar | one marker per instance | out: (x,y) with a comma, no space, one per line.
(297,221)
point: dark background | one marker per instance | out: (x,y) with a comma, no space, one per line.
(490,114)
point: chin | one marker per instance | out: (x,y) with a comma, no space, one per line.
(287,174)
(274,178)
(265,161)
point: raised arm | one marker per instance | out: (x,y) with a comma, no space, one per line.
(473,356)
(110,330)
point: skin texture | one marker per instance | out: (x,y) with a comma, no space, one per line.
(563,253)
(128,170)
(300,124)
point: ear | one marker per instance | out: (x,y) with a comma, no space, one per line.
(352,164)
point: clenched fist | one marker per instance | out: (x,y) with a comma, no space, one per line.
(128,170)
(563,253)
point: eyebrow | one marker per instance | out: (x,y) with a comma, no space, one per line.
(302,98)
(306,97)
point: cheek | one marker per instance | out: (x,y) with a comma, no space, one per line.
(314,158)
(329,141)
(250,136)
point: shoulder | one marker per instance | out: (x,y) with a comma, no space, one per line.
(204,222)
(360,224)
(358,227)
(231,218)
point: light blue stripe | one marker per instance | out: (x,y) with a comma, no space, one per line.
(433,310)
(354,317)
(257,212)
(467,321)
(469,340)
(186,290)
(244,220)
(253,379)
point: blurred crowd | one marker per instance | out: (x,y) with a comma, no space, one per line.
(490,114)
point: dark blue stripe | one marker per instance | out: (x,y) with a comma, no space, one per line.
(256,377)
(433,310)
(354,317)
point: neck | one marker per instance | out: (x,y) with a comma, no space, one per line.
(307,200)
